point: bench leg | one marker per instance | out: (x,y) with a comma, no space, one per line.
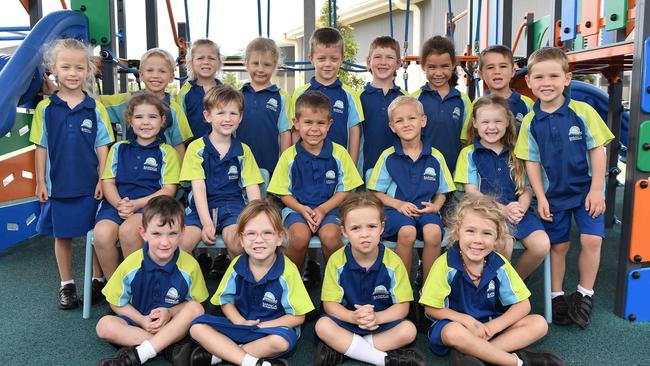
(88,273)
(548,313)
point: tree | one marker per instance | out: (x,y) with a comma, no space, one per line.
(350,49)
(231,79)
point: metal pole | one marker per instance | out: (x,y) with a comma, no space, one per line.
(121,41)
(309,24)
(615,91)
(35,11)
(506,23)
(108,69)
(151,16)
(182,70)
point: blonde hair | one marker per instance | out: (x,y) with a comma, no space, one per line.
(402,100)
(357,200)
(546,54)
(262,45)
(158,52)
(484,206)
(260,207)
(517,167)
(51,52)
(145,97)
(327,37)
(221,95)
(190,55)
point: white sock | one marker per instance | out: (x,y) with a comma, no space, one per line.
(368,338)
(145,351)
(215,360)
(100,279)
(249,360)
(585,292)
(519,361)
(556,294)
(63,283)
(362,351)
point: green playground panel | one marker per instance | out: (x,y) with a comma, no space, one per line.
(643,154)
(18,137)
(540,28)
(99,17)
(615,14)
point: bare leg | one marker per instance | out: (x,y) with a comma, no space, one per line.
(455,335)
(522,334)
(558,265)
(217,343)
(105,236)
(399,336)
(269,346)
(116,330)
(537,246)
(130,239)
(404,248)
(63,254)
(589,260)
(333,335)
(299,236)
(229,234)
(330,239)
(190,238)
(432,239)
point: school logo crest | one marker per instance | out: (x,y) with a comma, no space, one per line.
(429,174)
(87,126)
(269,301)
(456,113)
(272,104)
(330,177)
(172,296)
(338,106)
(490,289)
(233,173)
(151,164)
(575,133)
(380,292)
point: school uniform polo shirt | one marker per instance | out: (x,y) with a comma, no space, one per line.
(314,179)
(377,136)
(141,170)
(449,286)
(266,115)
(175,132)
(384,284)
(280,292)
(489,171)
(225,178)
(190,98)
(71,137)
(520,105)
(397,175)
(345,107)
(145,285)
(560,141)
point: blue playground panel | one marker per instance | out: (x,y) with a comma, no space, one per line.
(18,222)
(637,302)
(569,20)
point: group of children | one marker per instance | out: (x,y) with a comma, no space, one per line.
(416,152)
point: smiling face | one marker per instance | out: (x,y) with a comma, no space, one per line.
(547,81)
(162,239)
(477,237)
(71,69)
(383,62)
(224,119)
(438,69)
(205,62)
(491,123)
(146,122)
(312,124)
(327,61)
(260,66)
(156,74)
(496,70)
(363,228)
(259,238)
(407,122)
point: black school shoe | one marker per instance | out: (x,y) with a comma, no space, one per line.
(404,357)
(97,287)
(311,275)
(178,354)
(457,358)
(205,261)
(580,309)
(272,362)
(200,357)
(219,267)
(539,357)
(560,308)
(326,355)
(68,298)
(126,356)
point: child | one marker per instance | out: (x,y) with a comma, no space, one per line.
(261,295)
(312,178)
(411,178)
(366,294)
(155,293)
(447,109)
(72,133)
(496,68)
(563,142)
(383,62)
(489,166)
(326,54)
(136,171)
(203,63)
(223,173)
(464,287)
(156,72)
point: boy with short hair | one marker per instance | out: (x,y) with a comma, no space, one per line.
(562,141)
(496,68)
(312,178)
(383,61)
(411,179)
(156,292)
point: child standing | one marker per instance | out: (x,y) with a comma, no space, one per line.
(223,173)
(447,109)
(72,133)
(203,63)
(155,293)
(496,66)
(312,178)
(411,178)
(136,171)
(563,142)
(383,61)
(489,166)
(261,295)
(464,287)
(266,107)
(156,72)
(366,294)
(326,54)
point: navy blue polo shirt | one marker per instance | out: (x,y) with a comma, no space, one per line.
(266,116)
(519,105)
(71,137)
(345,107)
(397,175)
(447,119)
(377,136)
(190,97)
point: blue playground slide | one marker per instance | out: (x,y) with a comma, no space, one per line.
(21,76)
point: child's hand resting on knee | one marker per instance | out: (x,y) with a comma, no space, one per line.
(476,327)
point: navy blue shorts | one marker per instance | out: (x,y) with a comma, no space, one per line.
(106,211)
(227,215)
(559,230)
(67,217)
(528,225)
(395,221)
(293,217)
(128,320)
(435,337)
(356,330)
(242,334)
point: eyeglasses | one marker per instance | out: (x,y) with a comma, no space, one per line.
(252,235)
